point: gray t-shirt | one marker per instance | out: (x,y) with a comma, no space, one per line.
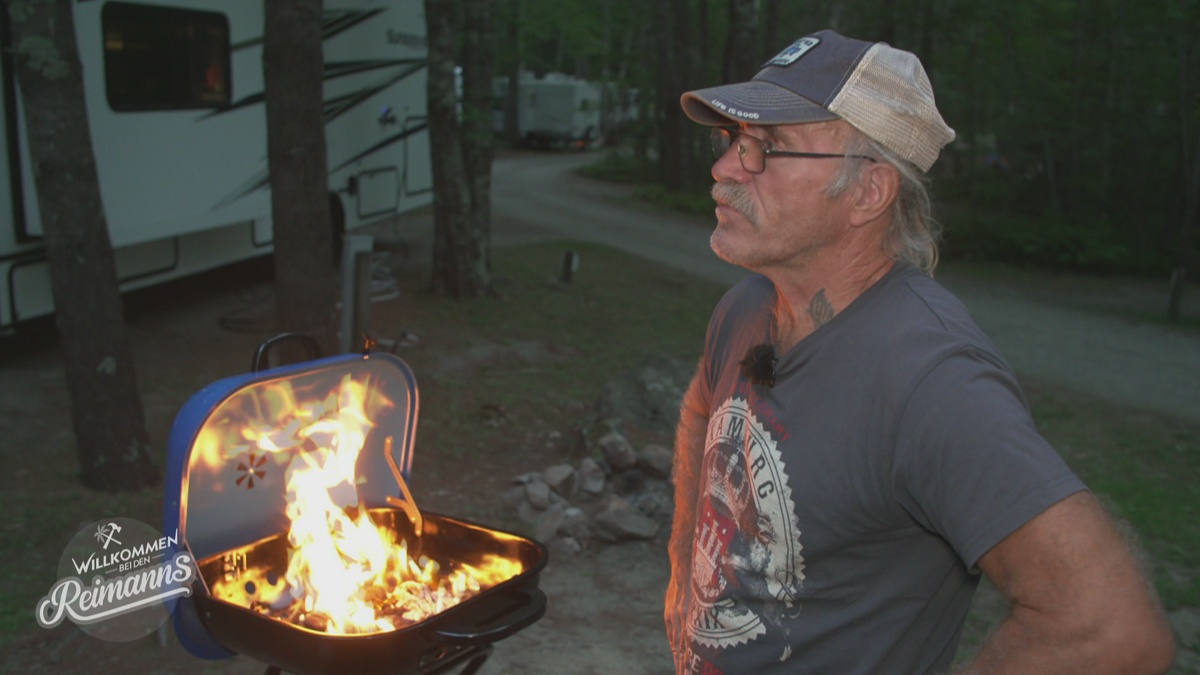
(842,511)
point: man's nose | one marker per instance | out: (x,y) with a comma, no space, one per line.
(728,167)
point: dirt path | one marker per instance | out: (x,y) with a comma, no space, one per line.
(604,616)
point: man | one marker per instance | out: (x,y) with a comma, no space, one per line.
(853,451)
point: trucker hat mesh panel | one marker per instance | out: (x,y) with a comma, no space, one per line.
(889,98)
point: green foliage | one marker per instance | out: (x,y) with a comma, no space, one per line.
(1067,113)
(1049,241)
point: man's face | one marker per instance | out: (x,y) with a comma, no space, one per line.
(780,217)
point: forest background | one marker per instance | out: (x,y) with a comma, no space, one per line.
(1078,121)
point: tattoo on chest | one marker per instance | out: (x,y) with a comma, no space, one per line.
(820,310)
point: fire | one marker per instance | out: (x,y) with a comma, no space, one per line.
(345,575)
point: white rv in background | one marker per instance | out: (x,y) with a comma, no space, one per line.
(174,93)
(552,109)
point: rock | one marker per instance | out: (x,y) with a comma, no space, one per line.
(538,494)
(565,546)
(549,522)
(655,460)
(591,476)
(526,478)
(617,452)
(628,482)
(605,467)
(574,524)
(527,513)
(513,496)
(620,520)
(562,478)
(656,505)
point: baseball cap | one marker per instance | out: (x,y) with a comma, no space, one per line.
(883,91)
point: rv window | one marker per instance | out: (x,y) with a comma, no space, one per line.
(164,58)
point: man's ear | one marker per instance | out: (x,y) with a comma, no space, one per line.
(875,193)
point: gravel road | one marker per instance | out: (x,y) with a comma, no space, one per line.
(1050,333)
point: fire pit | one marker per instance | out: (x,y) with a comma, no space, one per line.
(289,487)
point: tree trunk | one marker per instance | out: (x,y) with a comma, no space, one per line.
(771,44)
(887,23)
(1190,183)
(106,411)
(741,48)
(512,108)
(687,55)
(459,262)
(668,90)
(293,76)
(702,73)
(477,134)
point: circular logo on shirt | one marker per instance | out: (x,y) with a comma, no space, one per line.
(747,551)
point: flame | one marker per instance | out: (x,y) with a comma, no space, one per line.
(345,575)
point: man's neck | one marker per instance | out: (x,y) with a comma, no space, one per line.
(811,298)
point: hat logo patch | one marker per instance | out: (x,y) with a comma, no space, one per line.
(794,51)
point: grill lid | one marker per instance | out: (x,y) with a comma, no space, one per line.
(224,491)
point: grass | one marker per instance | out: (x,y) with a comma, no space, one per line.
(507,386)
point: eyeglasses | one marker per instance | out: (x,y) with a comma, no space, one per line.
(753,152)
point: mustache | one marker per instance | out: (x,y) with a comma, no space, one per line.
(736,197)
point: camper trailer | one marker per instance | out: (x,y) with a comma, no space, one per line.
(555,108)
(175,103)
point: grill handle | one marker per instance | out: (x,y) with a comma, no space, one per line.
(263,353)
(530,606)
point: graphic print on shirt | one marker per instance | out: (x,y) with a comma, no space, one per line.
(747,546)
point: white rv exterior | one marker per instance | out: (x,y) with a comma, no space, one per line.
(552,108)
(184,185)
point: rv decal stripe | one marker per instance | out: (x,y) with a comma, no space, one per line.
(334,108)
(394,138)
(341,68)
(332,24)
(245,45)
(342,21)
(260,180)
(253,99)
(263,179)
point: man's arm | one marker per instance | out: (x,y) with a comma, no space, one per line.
(689,454)
(1080,603)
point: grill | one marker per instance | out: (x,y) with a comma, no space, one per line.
(242,456)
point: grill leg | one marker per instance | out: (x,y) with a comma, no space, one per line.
(473,656)
(476,663)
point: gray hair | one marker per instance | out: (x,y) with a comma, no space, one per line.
(913,234)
